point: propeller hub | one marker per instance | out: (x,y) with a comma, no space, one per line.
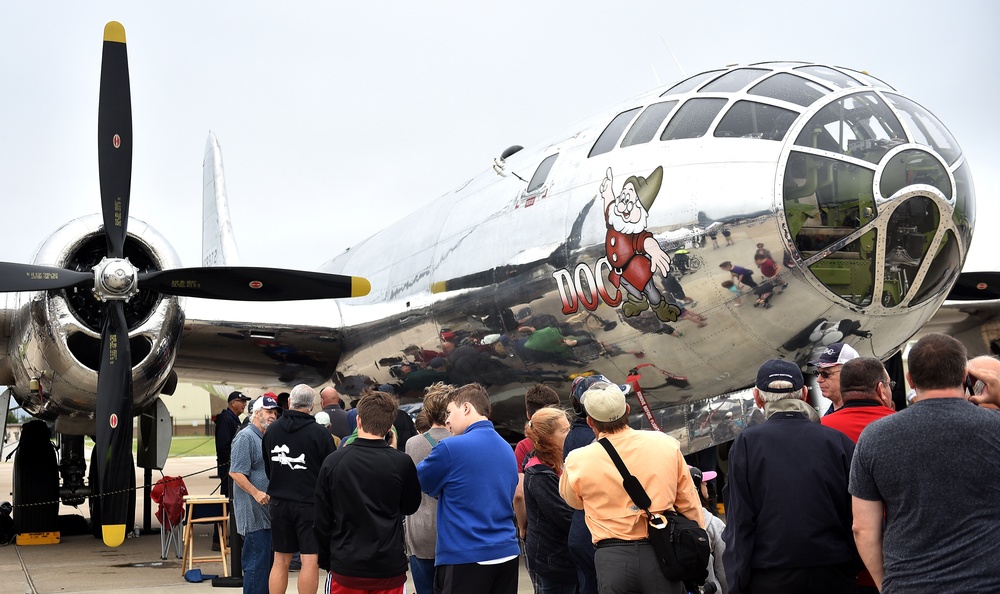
(115,279)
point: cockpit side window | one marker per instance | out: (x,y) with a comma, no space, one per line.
(609,138)
(645,127)
(542,173)
(749,119)
(791,88)
(693,118)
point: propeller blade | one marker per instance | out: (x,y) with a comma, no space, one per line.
(976,286)
(28,277)
(114,423)
(245,283)
(114,138)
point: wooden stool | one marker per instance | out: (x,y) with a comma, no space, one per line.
(206,509)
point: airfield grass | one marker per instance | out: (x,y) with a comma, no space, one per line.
(185,445)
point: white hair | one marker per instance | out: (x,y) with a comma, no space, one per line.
(776,396)
(302,396)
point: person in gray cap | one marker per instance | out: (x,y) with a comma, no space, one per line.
(830,363)
(788,511)
(625,559)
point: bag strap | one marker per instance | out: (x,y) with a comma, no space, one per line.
(430,439)
(632,485)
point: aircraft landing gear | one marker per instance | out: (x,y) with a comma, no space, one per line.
(36,481)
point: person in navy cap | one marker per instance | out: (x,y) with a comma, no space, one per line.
(789,512)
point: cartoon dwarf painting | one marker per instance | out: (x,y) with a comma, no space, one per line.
(633,253)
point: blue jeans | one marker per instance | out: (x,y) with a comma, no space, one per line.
(423,574)
(257,559)
(547,586)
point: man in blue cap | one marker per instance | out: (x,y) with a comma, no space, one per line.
(789,512)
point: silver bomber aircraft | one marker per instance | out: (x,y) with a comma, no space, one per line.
(674,242)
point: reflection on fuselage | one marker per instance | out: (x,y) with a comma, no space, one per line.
(851,224)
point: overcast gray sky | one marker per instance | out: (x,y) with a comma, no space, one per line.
(337,118)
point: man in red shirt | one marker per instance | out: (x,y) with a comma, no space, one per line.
(867,392)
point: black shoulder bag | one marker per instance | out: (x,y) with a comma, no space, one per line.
(680,544)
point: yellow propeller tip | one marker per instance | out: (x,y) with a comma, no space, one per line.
(360,286)
(114,31)
(439,287)
(114,534)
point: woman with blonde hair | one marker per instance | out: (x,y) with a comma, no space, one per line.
(548,515)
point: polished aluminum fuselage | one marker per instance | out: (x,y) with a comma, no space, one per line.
(491,250)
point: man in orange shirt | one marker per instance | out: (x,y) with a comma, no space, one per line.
(590,481)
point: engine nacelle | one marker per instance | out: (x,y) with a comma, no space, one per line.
(55,343)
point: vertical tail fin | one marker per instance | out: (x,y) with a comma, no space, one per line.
(218,243)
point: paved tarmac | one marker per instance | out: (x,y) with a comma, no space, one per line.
(83,564)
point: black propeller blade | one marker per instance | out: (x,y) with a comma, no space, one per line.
(115,281)
(114,375)
(29,277)
(114,134)
(976,286)
(247,283)
(114,424)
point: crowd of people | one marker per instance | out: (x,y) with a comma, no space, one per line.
(859,499)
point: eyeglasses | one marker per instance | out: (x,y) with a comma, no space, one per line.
(890,383)
(823,373)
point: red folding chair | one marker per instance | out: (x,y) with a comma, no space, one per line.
(168,493)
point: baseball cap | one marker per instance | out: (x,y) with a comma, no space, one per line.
(581,384)
(265,401)
(837,353)
(604,403)
(237,395)
(779,370)
(698,475)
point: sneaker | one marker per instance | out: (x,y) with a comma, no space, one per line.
(216,547)
(692,303)
(295,566)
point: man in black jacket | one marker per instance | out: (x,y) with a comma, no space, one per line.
(788,518)
(227,423)
(294,449)
(362,494)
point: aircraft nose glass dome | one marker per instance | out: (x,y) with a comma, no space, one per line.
(873,200)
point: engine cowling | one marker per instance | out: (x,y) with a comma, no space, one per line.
(55,342)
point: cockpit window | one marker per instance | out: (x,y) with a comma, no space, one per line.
(926,129)
(542,173)
(861,126)
(913,167)
(791,88)
(734,80)
(965,203)
(831,76)
(609,138)
(646,125)
(825,201)
(870,80)
(690,84)
(749,119)
(693,119)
